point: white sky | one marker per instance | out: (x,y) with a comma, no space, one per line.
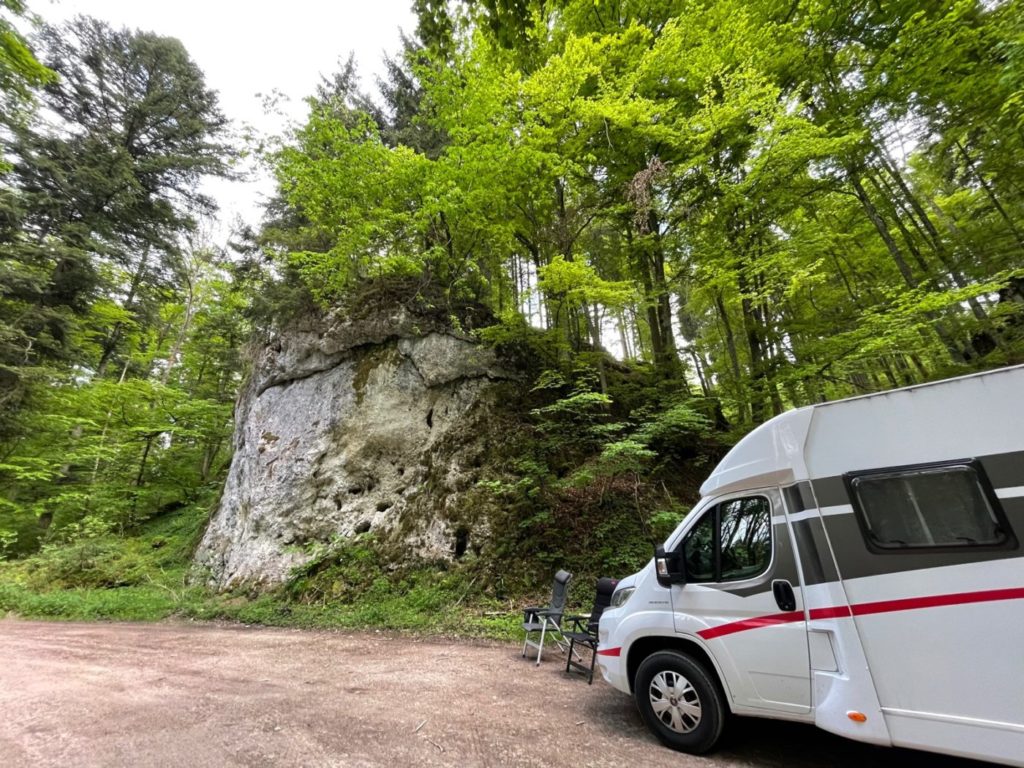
(254,47)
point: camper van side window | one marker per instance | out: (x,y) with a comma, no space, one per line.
(928,507)
(731,542)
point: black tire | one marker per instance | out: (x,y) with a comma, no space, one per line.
(680,702)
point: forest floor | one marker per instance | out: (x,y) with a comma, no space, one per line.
(227,695)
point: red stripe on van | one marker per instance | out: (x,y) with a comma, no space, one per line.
(610,652)
(935,601)
(743,626)
(836,612)
(864,609)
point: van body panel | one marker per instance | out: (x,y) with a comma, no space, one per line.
(967,655)
(971,416)
(998,742)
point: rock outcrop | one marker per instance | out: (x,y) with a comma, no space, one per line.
(376,425)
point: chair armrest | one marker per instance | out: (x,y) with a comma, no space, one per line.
(534,613)
(578,622)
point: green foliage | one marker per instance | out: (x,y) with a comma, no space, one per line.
(576,409)
(109,453)
(100,574)
(20,70)
(675,431)
(623,457)
(525,346)
(711,186)
(7,539)
(591,482)
(576,283)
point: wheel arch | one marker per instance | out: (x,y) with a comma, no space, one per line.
(643,647)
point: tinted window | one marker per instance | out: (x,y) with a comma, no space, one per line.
(731,542)
(927,507)
(746,526)
(699,549)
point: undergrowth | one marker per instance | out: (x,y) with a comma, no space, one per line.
(145,575)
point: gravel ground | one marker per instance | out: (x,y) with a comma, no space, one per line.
(211,695)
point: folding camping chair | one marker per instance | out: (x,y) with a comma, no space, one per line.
(547,619)
(584,629)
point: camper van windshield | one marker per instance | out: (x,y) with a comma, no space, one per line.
(927,507)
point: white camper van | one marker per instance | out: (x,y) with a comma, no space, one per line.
(856,565)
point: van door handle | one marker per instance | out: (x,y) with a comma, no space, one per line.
(784,596)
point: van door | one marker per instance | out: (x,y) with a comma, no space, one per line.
(743,599)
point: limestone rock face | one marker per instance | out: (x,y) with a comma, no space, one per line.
(367,425)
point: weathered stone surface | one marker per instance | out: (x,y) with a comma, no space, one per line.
(344,430)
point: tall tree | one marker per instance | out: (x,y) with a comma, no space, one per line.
(103,188)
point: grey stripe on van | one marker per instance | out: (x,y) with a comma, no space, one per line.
(791,496)
(815,555)
(1004,470)
(857,561)
(799,497)
(830,491)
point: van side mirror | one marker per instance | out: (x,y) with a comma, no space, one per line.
(668,567)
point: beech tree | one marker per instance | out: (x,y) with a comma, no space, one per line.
(804,206)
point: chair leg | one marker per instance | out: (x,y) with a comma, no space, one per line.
(571,652)
(593,658)
(540,646)
(568,658)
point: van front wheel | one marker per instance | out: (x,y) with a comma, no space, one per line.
(679,702)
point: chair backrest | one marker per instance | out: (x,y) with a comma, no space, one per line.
(603,599)
(560,591)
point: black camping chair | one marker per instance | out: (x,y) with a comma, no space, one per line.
(548,619)
(584,629)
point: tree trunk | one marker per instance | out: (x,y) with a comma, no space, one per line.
(989,192)
(883,231)
(734,359)
(667,361)
(908,276)
(110,343)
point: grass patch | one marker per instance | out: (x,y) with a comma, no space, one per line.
(126,604)
(397,613)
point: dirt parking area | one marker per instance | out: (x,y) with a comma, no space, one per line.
(196,695)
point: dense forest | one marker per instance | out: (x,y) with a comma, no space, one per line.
(685,215)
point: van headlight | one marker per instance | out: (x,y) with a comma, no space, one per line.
(620,596)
